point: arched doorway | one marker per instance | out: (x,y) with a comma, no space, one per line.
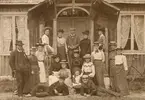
(77,17)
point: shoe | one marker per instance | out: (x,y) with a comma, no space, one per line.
(28,95)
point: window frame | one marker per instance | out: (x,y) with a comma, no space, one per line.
(132,14)
(13,15)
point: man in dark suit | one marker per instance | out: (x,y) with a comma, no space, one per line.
(20,66)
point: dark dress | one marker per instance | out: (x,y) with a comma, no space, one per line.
(76,63)
(34,78)
(59,88)
(56,66)
(85,46)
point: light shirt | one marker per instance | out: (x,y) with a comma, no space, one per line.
(98,55)
(121,59)
(40,55)
(101,40)
(45,39)
(77,79)
(61,42)
(88,68)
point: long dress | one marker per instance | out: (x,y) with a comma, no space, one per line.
(61,48)
(40,56)
(121,84)
(98,58)
(34,78)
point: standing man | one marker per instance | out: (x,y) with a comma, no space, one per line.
(20,66)
(101,39)
(72,42)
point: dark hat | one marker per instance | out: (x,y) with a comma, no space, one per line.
(86,32)
(39,44)
(76,51)
(47,28)
(19,43)
(87,56)
(33,49)
(55,56)
(61,30)
(101,29)
(63,61)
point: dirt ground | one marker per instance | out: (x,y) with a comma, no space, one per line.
(132,96)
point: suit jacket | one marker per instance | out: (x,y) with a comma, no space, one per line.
(19,61)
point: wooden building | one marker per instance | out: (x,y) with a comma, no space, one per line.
(123,21)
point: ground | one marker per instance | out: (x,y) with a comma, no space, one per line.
(133,96)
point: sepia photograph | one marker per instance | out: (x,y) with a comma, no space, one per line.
(72,49)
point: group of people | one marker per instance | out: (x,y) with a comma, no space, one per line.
(74,69)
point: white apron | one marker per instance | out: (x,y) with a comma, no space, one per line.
(42,74)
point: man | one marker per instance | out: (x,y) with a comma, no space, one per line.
(101,39)
(72,42)
(20,66)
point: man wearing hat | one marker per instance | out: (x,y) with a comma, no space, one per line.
(20,66)
(101,39)
(72,42)
(85,44)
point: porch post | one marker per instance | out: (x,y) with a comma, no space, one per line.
(41,26)
(92,32)
(106,50)
(55,35)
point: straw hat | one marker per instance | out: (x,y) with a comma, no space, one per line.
(87,56)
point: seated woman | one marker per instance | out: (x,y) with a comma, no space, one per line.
(88,67)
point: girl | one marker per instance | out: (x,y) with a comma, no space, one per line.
(61,45)
(98,58)
(121,68)
(88,67)
(40,54)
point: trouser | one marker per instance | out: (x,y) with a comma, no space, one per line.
(21,78)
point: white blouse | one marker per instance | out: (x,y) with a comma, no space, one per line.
(121,59)
(40,55)
(45,39)
(88,67)
(98,55)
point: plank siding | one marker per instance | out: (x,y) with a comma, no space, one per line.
(4,66)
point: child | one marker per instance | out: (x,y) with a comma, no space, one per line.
(98,58)
(34,79)
(59,88)
(40,54)
(77,61)
(61,45)
(77,80)
(88,67)
(85,44)
(121,68)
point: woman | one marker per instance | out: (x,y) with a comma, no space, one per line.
(61,45)
(121,69)
(40,54)
(98,58)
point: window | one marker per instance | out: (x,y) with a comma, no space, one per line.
(13,27)
(131,32)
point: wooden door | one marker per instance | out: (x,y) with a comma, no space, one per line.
(81,24)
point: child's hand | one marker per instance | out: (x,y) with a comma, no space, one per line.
(88,95)
(91,75)
(60,94)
